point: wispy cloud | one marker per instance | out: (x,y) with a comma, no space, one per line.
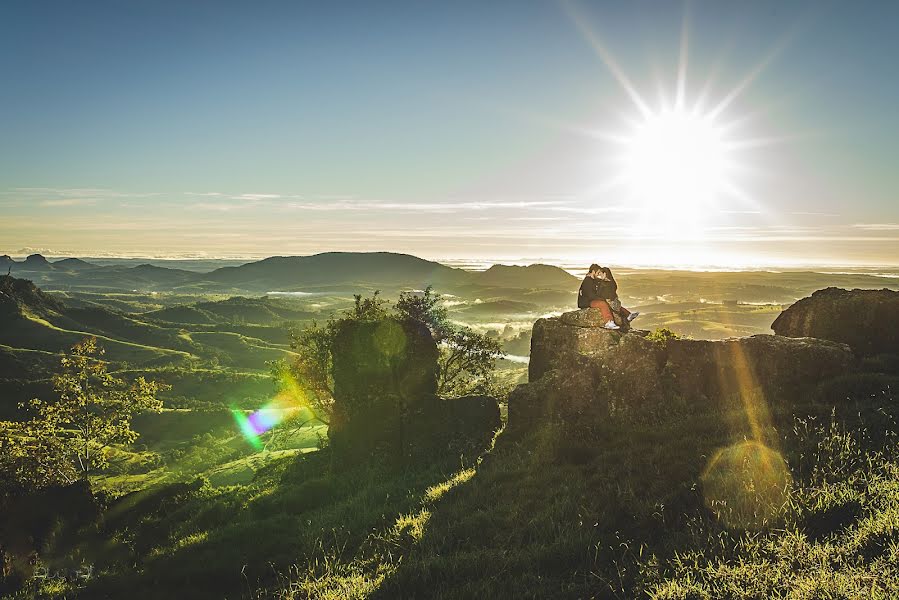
(814,214)
(68,202)
(434,207)
(256,197)
(78,192)
(211,206)
(877,226)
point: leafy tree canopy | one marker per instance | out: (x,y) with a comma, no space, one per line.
(66,437)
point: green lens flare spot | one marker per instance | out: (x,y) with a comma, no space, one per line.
(747,485)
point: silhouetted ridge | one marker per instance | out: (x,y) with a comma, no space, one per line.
(537,275)
(18,294)
(73,264)
(332,268)
(36,261)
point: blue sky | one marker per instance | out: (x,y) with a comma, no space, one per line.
(463,129)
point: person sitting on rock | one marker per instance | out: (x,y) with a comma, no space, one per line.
(589,296)
(608,290)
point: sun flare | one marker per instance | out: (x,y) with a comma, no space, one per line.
(676,164)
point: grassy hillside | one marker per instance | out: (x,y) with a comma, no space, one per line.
(35,333)
(235,310)
(627,512)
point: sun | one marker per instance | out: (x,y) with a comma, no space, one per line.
(682,168)
(676,164)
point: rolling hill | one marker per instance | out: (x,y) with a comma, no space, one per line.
(346,271)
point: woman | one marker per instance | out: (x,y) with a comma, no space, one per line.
(608,291)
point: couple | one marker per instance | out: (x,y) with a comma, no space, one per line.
(599,290)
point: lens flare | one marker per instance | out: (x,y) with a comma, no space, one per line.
(291,402)
(246,428)
(747,485)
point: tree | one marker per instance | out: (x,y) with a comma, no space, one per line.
(309,372)
(367,309)
(94,410)
(30,459)
(466,357)
(466,362)
(425,308)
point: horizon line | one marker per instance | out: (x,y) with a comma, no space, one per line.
(473,263)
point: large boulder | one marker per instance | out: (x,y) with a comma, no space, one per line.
(866,320)
(385,378)
(557,341)
(385,396)
(705,373)
(585,375)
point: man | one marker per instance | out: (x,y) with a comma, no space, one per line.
(590,296)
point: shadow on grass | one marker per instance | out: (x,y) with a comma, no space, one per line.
(618,513)
(553,516)
(240,541)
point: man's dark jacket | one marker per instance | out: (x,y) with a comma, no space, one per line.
(589,291)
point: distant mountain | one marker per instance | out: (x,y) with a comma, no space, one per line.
(345,271)
(339,268)
(531,276)
(72,264)
(36,262)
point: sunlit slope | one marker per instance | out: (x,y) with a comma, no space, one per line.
(34,332)
(710,321)
(35,321)
(235,310)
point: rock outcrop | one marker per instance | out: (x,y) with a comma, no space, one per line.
(385,395)
(586,375)
(866,320)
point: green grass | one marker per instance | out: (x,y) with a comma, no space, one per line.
(626,513)
(239,350)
